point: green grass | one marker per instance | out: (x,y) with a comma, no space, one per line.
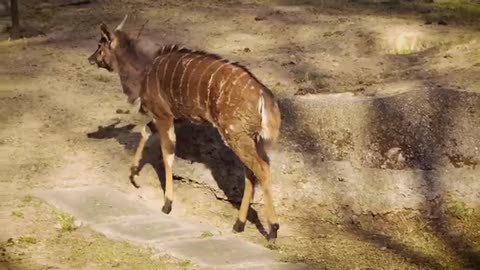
(27,199)
(67,222)
(464,11)
(186,264)
(462,6)
(101,78)
(206,234)
(84,246)
(459,210)
(405,51)
(17,214)
(27,239)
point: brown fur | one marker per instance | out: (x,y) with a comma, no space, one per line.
(173,82)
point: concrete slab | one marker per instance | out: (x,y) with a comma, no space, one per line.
(221,252)
(150,229)
(277,266)
(95,204)
(114,214)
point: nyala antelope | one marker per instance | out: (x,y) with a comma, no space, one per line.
(171,82)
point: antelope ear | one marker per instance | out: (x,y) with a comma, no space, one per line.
(115,41)
(105,32)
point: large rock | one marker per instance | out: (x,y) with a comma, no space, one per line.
(418,129)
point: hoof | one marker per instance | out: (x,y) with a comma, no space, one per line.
(133,173)
(272,235)
(271,242)
(167,206)
(238,226)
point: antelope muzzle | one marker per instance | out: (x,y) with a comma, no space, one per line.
(95,59)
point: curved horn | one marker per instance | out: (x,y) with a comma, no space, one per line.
(120,26)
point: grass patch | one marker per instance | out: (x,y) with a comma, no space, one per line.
(291,259)
(101,78)
(272,246)
(405,51)
(186,263)
(459,210)
(27,199)
(84,247)
(206,234)
(67,222)
(27,239)
(462,6)
(463,11)
(17,214)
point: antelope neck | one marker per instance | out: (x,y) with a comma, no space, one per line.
(131,71)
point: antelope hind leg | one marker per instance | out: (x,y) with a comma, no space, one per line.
(239,225)
(166,133)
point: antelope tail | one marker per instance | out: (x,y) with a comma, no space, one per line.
(270,115)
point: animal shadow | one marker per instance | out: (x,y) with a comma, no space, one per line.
(195,143)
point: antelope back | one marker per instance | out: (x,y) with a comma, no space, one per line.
(203,86)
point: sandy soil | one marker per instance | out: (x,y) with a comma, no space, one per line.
(50,99)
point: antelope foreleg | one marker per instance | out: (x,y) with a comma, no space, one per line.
(135,168)
(246,201)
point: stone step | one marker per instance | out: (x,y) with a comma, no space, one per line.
(122,217)
(94,205)
(152,229)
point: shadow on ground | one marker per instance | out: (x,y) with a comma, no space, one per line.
(443,13)
(199,143)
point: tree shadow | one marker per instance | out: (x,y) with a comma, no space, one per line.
(301,138)
(199,143)
(465,13)
(424,125)
(420,123)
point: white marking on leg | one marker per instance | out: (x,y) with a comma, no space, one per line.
(143,131)
(171,134)
(137,103)
(169,159)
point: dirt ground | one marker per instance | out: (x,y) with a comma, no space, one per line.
(51,98)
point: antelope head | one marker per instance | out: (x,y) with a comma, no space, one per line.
(109,45)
